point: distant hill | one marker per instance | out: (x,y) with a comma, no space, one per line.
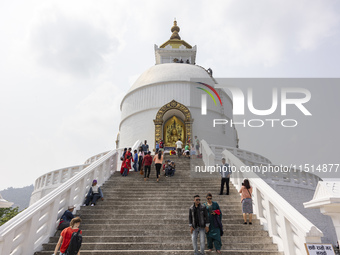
(19,196)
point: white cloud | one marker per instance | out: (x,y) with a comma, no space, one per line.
(95,117)
(61,92)
(70,44)
(263,32)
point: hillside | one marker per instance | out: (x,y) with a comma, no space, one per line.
(19,196)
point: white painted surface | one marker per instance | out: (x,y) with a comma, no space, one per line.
(25,233)
(327,199)
(160,85)
(288,228)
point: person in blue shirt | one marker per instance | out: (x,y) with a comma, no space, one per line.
(225,172)
(135,160)
(66,218)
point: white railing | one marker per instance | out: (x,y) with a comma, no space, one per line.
(95,157)
(207,154)
(49,181)
(292,178)
(288,228)
(25,233)
(247,157)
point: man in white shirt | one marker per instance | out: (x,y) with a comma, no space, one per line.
(179,145)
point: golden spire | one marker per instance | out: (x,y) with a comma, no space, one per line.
(175,29)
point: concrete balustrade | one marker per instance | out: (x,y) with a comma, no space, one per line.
(294,177)
(95,157)
(247,157)
(26,232)
(288,228)
(49,181)
(208,155)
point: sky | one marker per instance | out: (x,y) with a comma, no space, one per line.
(66,65)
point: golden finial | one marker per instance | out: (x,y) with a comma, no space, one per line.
(175,29)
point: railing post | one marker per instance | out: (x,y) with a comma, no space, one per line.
(30,233)
(287,240)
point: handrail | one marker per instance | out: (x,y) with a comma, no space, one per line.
(25,233)
(95,157)
(295,178)
(51,180)
(56,177)
(288,228)
(247,157)
(207,154)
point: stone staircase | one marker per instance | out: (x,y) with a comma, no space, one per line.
(149,218)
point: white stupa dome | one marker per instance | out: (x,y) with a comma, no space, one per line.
(171,72)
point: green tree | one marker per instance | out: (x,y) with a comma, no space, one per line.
(7,213)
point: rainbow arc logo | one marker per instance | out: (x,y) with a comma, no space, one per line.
(204,97)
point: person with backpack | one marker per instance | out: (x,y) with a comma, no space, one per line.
(170,169)
(66,218)
(70,239)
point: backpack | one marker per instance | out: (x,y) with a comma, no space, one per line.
(75,243)
(63,223)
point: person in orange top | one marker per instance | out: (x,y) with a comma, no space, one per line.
(247,204)
(158,159)
(65,236)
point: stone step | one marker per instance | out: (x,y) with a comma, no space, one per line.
(142,200)
(242,231)
(156,213)
(229,227)
(185,191)
(131,221)
(163,246)
(167,182)
(136,177)
(155,226)
(154,204)
(97,251)
(169,208)
(180,213)
(149,217)
(163,239)
(161,205)
(178,194)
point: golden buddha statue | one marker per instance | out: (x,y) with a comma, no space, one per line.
(173,130)
(173,138)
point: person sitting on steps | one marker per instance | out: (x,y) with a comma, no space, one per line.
(170,170)
(94,194)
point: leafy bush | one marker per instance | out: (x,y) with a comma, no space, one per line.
(7,213)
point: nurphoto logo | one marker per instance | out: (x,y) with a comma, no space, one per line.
(280,97)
